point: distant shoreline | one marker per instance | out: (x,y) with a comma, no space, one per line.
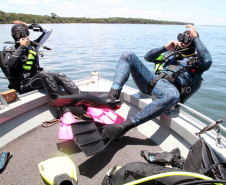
(8,18)
(111,23)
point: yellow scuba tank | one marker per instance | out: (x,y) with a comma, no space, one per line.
(57,170)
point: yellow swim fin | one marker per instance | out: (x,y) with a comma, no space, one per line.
(57,170)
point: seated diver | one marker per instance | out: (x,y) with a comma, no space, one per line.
(25,73)
(168,86)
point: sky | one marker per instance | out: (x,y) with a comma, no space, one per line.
(199,12)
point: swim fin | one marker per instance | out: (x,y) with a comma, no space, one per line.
(91,139)
(84,99)
(58,170)
(4,158)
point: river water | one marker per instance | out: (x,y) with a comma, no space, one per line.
(78,49)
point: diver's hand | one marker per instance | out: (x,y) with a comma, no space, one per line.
(25,41)
(193,33)
(20,22)
(172,45)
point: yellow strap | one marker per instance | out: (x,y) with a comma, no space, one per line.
(167,174)
(30,59)
(26,67)
(32,52)
(187,55)
(158,67)
(29,62)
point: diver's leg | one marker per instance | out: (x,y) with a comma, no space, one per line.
(165,95)
(32,84)
(67,84)
(130,63)
(40,80)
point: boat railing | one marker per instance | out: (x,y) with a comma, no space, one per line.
(213,124)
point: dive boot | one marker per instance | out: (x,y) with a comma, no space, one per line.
(112,96)
(114,131)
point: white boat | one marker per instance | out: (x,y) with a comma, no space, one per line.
(21,133)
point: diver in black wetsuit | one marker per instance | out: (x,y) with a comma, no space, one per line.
(23,62)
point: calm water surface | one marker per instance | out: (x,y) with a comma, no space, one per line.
(78,49)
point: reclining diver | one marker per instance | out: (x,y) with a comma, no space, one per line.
(177,81)
(22,64)
(177,77)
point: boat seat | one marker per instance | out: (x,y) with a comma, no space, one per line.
(85,100)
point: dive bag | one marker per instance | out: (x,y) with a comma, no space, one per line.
(202,159)
(201,166)
(149,174)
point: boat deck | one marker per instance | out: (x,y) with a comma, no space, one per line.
(42,143)
(21,134)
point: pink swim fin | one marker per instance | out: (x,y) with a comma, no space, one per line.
(105,116)
(65,131)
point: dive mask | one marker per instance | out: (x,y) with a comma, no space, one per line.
(184,37)
(21,34)
(19,31)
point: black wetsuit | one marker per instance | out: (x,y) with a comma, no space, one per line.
(25,80)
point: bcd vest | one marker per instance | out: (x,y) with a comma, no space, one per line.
(30,60)
(185,91)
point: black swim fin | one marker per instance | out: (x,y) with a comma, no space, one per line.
(91,137)
(86,100)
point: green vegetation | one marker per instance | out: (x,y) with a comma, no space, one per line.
(8,18)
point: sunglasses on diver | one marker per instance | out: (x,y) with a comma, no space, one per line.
(184,37)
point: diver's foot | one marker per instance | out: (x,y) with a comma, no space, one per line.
(112,96)
(113,131)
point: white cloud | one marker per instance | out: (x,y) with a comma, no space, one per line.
(3,6)
(28,2)
(110,1)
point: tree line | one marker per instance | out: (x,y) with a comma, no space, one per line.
(8,18)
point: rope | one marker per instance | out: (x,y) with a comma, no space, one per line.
(50,123)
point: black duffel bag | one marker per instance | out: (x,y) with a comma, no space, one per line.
(202,159)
